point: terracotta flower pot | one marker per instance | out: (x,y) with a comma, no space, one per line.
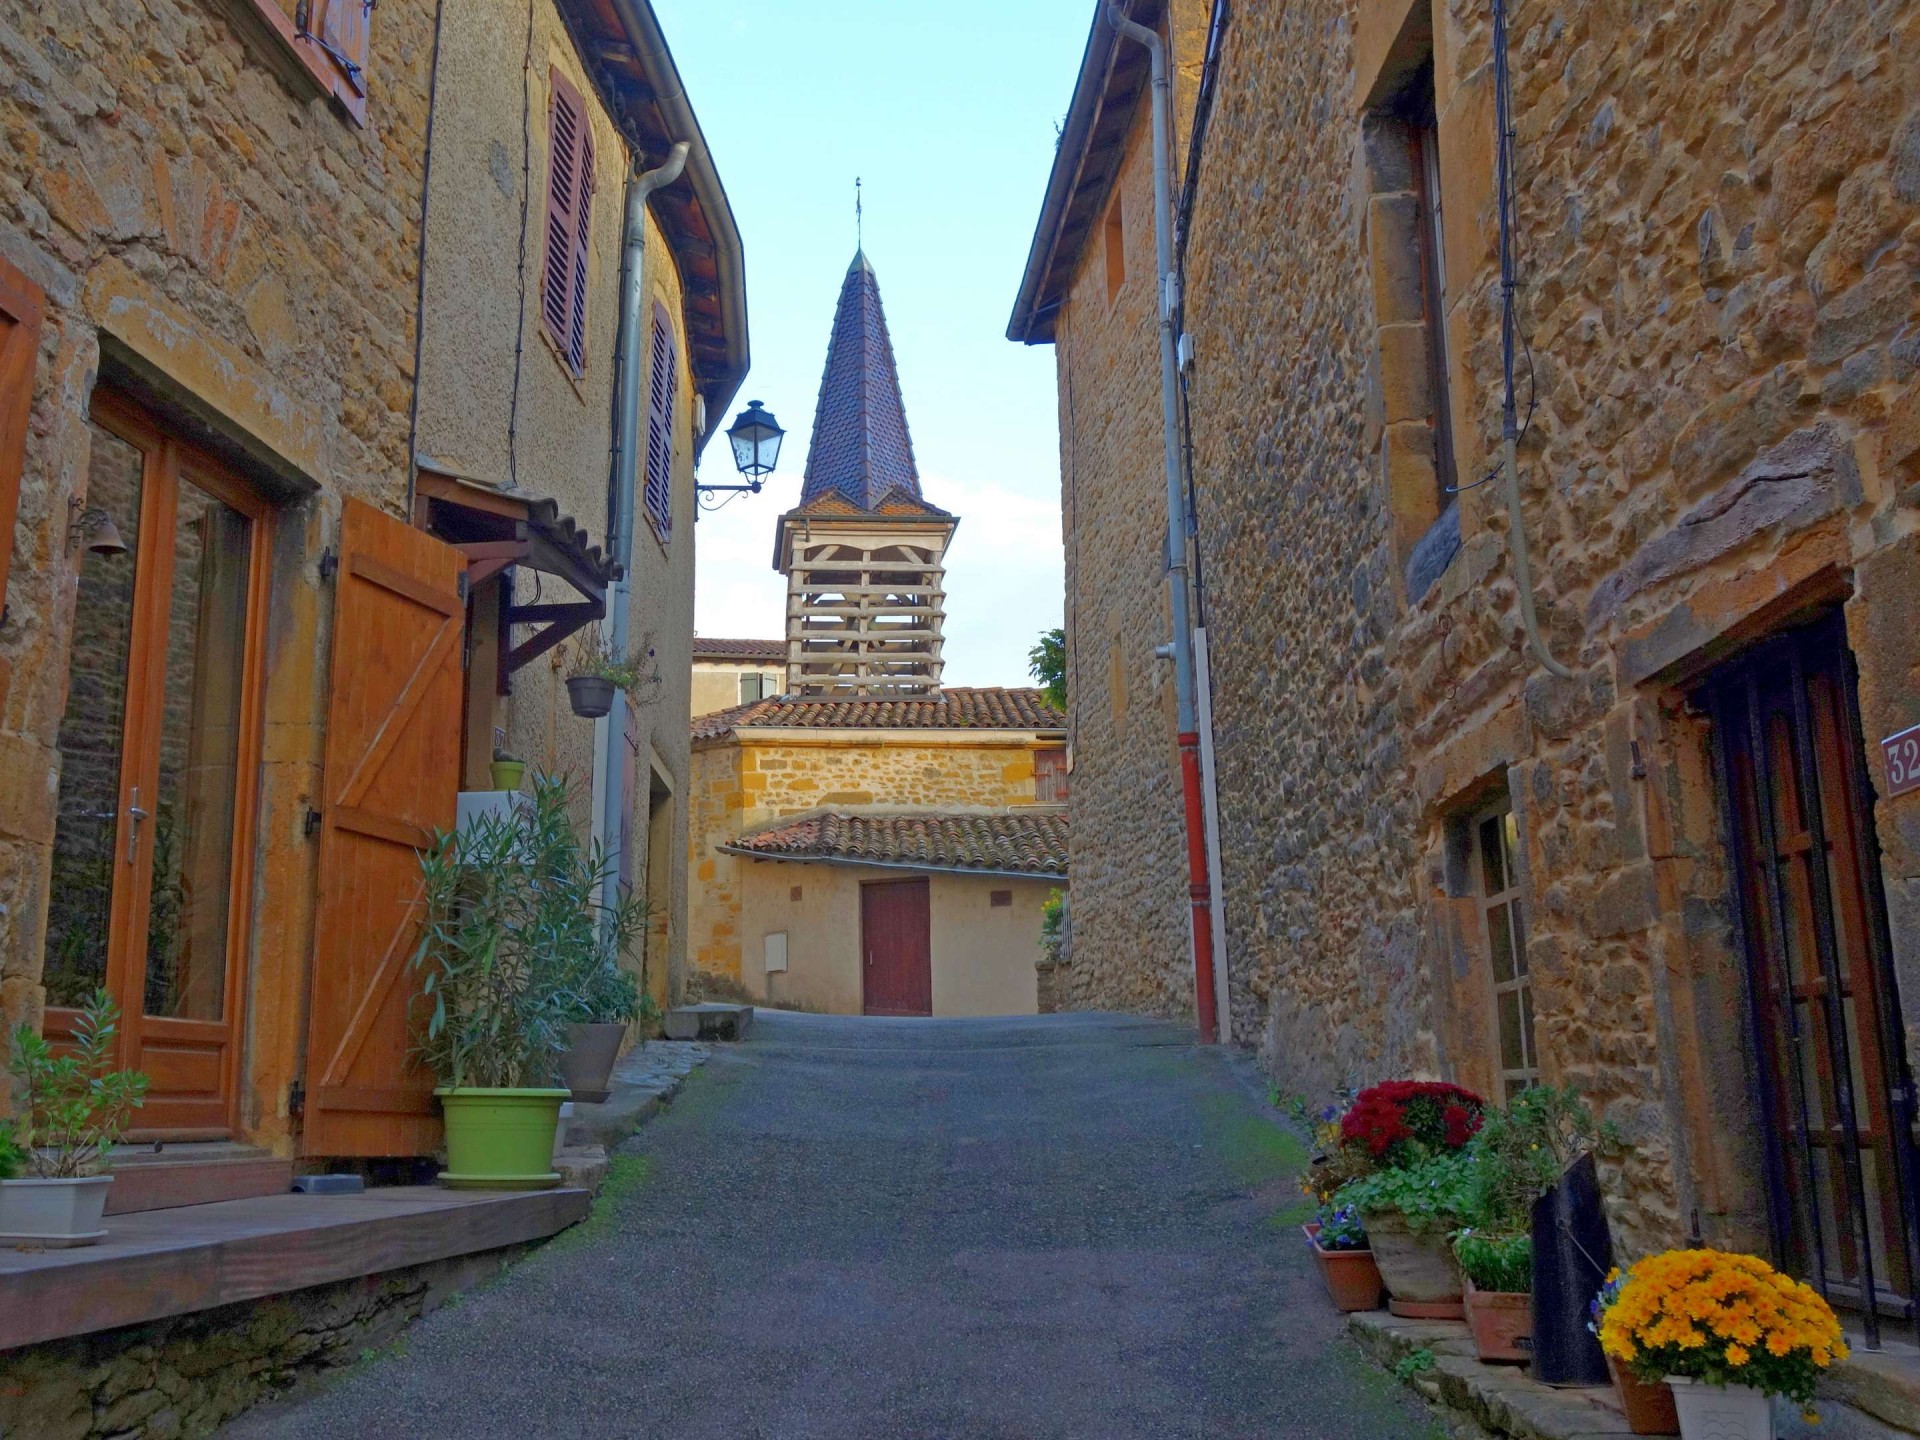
(587,1063)
(1351,1277)
(1649,1407)
(1418,1268)
(1502,1324)
(1721,1412)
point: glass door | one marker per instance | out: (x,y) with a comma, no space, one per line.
(159,752)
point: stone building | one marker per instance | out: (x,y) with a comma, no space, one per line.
(736,672)
(921,833)
(1440,856)
(266,596)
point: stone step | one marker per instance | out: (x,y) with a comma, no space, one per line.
(710,1021)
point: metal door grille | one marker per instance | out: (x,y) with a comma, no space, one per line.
(1836,1098)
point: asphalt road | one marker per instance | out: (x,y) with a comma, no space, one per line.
(1025,1229)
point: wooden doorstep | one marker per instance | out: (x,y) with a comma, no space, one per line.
(158,1184)
(174,1262)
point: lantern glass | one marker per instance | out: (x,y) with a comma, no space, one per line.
(755,436)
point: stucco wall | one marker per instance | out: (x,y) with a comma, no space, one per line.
(1720,264)
(716,684)
(252,254)
(752,778)
(982,956)
(491,151)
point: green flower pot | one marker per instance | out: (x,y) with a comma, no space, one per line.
(507,773)
(500,1139)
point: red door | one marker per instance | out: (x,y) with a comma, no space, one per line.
(895,937)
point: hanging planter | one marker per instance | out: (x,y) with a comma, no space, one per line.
(590,695)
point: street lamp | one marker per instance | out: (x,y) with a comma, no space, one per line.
(755,436)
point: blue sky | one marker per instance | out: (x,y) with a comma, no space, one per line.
(948,115)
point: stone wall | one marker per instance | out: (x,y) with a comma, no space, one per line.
(745,781)
(184,1378)
(247,254)
(1718,241)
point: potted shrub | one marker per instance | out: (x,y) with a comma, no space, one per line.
(77,1106)
(1727,1332)
(1649,1407)
(1339,1243)
(599,670)
(507,770)
(490,1014)
(1402,1142)
(1499,1292)
(1409,1212)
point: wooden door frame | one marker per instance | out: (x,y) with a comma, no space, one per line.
(924,885)
(165,458)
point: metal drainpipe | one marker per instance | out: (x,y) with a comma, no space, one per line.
(610,739)
(1198,889)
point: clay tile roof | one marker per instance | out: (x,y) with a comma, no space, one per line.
(955,708)
(861,449)
(1011,843)
(706,647)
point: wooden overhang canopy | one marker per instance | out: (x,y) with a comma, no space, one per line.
(495,530)
(1113,78)
(622,46)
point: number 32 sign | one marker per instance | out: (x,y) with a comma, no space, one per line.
(1902,754)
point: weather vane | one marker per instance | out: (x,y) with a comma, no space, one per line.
(859,232)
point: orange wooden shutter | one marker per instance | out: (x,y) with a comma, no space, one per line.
(663,385)
(563,282)
(332,35)
(392,778)
(21,306)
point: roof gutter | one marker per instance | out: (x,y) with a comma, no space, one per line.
(656,59)
(1050,876)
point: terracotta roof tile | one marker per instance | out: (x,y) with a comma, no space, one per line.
(1010,843)
(706,647)
(955,708)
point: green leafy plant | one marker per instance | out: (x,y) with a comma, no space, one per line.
(634,673)
(1053,919)
(1047,663)
(13,1156)
(1494,1261)
(1414,1362)
(1521,1152)
(78,1104)
(1435,1193)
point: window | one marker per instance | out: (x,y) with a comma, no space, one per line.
(21,304)
(753,687)
(1424,138)
(1050,776)
(662,388)
(1000,899)
(570,176)
(1495,843)
(1113,240)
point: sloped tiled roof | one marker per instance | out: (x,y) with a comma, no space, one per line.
(860,448)
(707,647)
(955,708)
(1011,843)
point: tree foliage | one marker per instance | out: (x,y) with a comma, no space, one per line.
(1047,663)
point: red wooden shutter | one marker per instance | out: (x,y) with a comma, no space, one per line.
(570,181)
(392,778)
(663,386)
(21,306)
(342,28)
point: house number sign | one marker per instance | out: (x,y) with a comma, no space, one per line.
(1902,753)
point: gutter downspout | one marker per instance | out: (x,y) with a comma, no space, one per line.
(1198,889)
(611,769)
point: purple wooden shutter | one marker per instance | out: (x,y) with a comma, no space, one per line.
(566,130)
(582,239)
(663,385)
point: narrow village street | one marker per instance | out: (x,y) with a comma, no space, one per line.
(1041,1227)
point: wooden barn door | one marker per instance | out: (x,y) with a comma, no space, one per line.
(392,778)
(895,934)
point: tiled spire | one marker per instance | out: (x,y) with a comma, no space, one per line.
(861,448)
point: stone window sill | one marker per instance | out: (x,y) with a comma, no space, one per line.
(296,61)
